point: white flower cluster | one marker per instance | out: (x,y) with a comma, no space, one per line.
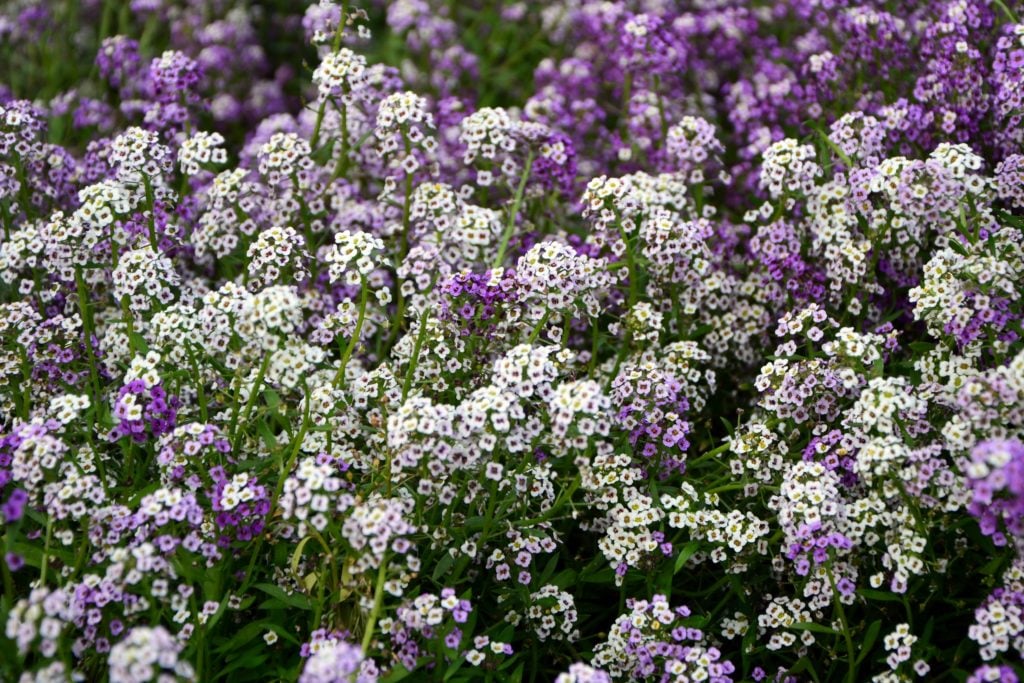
(553,614)
(354,256)
(886,406)
(403,113)
(433,208)
(859,136)
(628,540)
(66,408)
(283,155)
(421,430)
(788,166)
(583,673)
(780,613)
(237,491)
(475,230)
(276,251)
(734,529)
(37,621)
(607,201)
(148,654)
(529,371)
(488,414)
(200,150)
(311,495)
(947,293)
(644,322)
(608,478)
(378,528)
(557,279)
(579,410)
(961,161)
(340,73)
(138,156)
(643,627)
(145,277)
(809,498)
(898,644)
(485,133)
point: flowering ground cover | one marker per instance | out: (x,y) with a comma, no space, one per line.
(564,341)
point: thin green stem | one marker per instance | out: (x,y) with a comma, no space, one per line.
(634,275)
(517,201)
(46,551)
(1010,14)
(421,335)
(335,46)
(378,603)
(85,310)
(851,675)
(346,356)
(538,328)
(282,476)
(253,393)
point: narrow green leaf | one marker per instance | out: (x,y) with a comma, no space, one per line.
(868,641)
(685,554)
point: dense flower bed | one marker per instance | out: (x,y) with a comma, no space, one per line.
(563,341)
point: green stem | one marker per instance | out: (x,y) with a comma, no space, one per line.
(851,675)
(364,293)
(87,327)
(634,279)
(1007,11)
(342,166)
(282,476)
(150,200)
(378,602)
(513,212)
(335,46)
(8,596)
(250,402)
(538,328)
(46,551)
(414,358)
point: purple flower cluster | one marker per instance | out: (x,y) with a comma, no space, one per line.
(143,412)
(476,302)
(995,475)
(362,340)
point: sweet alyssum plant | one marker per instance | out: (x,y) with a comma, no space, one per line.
(577,341)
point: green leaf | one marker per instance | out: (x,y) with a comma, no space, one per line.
(250,660)
(955,245)
(549,569)
(272,398)
(605,575)
(813,628)
(804,664)
(297,556)
(396,674)
(728,425)
(565,578)
(454,667)
(992,566)
(295,600)
(881,596)
(685,554)
(868,641)
(442,567)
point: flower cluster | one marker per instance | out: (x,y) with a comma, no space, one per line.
(472,346)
